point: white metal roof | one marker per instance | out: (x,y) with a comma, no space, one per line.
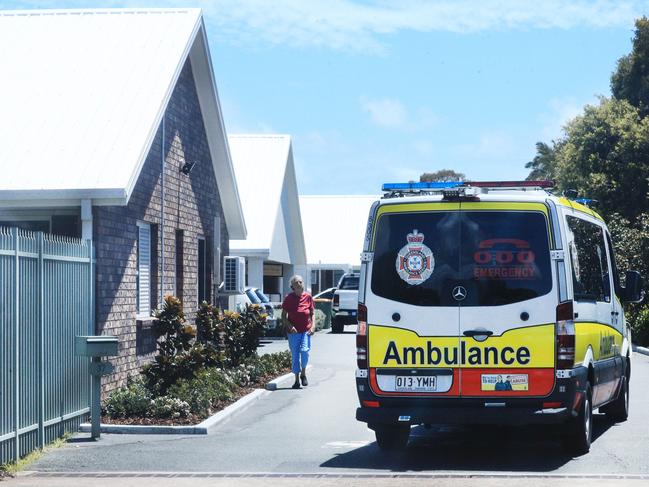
(334,228)
(266,177)
(82,95)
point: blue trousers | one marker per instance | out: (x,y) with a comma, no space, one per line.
(300,345)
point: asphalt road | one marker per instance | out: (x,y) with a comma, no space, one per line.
(313,431)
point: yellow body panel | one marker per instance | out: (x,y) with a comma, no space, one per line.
(529,347)
(579,207)
(604,340)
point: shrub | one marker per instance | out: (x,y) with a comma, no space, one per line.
(204,391)
(168,407)
(320,319)
(639,323)
(133,400)
(177,357)
(241,333)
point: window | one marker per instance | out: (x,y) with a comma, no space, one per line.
(202,272)
(499,257)
(349,282)
(144,269)
(590,275)
(29,225)
(180,269)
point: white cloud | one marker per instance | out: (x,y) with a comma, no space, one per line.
(490,146)
(392,113)
(361,26)
(386,112)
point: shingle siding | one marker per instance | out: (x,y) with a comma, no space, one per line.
(191,202)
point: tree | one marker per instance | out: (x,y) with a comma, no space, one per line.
(605,156)
(442,175)
(543,164)
(630,81)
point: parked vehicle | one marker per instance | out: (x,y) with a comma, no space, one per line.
(490,303)
(327,294)
(345,302)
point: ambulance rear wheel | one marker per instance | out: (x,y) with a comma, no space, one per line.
(392,437)
(581,433)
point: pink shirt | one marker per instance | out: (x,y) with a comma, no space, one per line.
(299,310)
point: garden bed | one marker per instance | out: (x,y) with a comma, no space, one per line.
(199,369)
(193,418)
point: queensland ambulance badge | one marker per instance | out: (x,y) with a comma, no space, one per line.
(415,261)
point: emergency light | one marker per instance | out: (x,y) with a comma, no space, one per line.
(422,186)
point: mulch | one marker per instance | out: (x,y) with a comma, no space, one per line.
(192,419)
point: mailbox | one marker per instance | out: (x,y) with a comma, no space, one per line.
(96,346)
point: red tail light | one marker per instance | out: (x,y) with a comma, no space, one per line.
(565,331)
(336,300)
(361,337)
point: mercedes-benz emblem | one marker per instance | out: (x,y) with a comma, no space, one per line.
(459,293)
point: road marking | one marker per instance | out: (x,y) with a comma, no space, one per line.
(321,474)
(346,444)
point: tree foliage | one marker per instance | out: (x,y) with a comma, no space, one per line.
(605,155)
(543,164)
(630,81)
(442,175)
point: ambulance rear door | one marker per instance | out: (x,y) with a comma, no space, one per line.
(413,320)
(507,301)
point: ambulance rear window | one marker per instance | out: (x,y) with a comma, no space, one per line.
(495,257)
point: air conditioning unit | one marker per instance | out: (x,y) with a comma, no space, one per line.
(234,274)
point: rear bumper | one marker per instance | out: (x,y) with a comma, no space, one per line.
(345,316)
(471,410)
(461,415)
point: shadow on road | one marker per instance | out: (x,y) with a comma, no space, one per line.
(473,448)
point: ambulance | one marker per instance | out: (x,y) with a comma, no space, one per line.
(490,303)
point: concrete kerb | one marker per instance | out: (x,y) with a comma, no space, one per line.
(639,349)
(199,429)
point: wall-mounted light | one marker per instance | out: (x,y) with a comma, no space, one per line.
(187,167)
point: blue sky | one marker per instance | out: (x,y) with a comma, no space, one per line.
(379,91)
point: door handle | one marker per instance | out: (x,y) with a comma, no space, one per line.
(472,333)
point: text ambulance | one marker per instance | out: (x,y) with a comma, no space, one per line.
(489,303)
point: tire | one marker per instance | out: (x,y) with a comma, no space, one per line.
(390,438)
(581,431)
(618,410)
(337,325)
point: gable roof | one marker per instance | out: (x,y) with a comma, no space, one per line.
(266,174)
(83,93)
(343,246)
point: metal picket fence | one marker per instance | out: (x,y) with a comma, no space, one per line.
(46,299)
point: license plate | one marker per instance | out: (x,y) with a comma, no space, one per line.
(423,383)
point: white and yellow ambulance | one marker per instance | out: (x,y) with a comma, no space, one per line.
(489,303)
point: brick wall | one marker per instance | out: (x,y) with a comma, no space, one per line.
(190,204)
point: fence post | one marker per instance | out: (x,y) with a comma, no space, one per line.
(41,351)
(14,231)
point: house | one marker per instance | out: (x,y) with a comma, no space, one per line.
(274,248)
(334,229)
(112,131)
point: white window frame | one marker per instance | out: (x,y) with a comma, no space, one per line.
(142,229)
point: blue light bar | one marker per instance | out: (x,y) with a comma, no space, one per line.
(426,185)
(586,201)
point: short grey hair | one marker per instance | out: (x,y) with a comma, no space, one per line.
(296,278)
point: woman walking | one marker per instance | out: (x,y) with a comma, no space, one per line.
(297,318)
